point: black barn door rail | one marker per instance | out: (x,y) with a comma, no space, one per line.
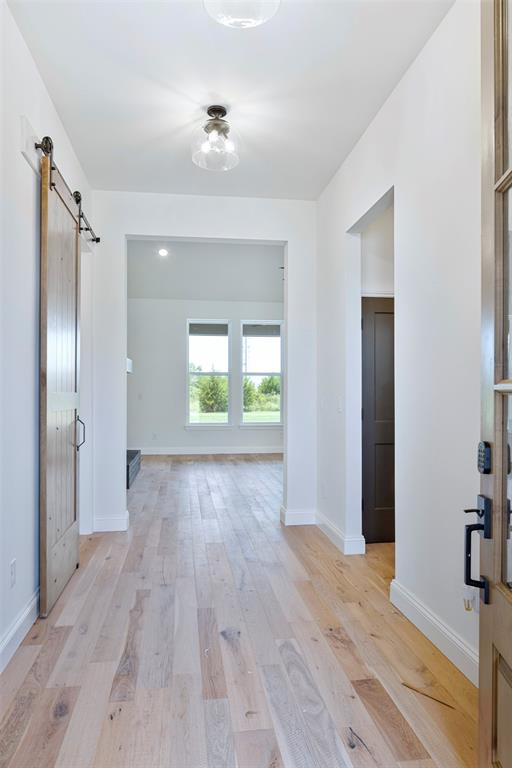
(46,147)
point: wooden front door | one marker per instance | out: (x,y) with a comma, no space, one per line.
(59,346)
(378,420)
(496,486)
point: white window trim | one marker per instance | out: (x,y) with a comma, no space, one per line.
(260,424)
(222,425)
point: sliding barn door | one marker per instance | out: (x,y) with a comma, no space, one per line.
(60,273)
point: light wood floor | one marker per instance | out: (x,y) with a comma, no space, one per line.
(210,636)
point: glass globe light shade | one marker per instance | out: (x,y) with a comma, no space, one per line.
(241,14)
(215,146)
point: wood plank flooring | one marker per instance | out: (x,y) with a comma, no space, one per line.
(209,636)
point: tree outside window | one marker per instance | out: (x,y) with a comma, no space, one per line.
(261,367)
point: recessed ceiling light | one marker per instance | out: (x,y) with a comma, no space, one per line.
(215,146)
(163,252)
(241,14)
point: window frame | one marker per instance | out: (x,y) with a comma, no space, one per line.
(261,424)
(221,425)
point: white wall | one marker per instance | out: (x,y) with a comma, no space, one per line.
(377,255)
(424,142)
(22,93)
(185,216)
(157,389)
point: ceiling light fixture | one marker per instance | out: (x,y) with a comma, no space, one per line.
(214,147)
(163,252)
(241,14)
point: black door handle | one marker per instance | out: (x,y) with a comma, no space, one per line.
(79,445)
(481,583)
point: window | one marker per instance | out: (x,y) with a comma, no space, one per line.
(261,373)
(208,373)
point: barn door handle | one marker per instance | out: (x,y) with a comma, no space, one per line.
(79,445)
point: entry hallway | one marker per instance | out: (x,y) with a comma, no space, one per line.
(209,635)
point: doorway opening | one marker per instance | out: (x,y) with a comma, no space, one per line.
(205,342)
(378,378)
(370,302)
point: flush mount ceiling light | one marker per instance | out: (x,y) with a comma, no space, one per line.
(163,252)
(215,147)
(241,14)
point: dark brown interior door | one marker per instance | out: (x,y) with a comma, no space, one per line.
(378,420)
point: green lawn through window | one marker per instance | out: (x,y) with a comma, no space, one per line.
(262,417)
(208,418)
(250,417)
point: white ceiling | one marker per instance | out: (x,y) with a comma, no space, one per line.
(131,79)
(205,271)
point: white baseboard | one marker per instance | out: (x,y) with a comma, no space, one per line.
(298,516)
(210,450)
(108,524)
(14,634)
(464,656)
(348,545)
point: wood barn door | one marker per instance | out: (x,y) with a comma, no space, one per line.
(495,576)
(378,415)
(59,396)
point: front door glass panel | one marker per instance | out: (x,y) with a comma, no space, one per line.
(504,207)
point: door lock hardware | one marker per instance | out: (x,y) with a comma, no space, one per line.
(484,458)
(484,512)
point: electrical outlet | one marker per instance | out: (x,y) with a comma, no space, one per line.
(13,572)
